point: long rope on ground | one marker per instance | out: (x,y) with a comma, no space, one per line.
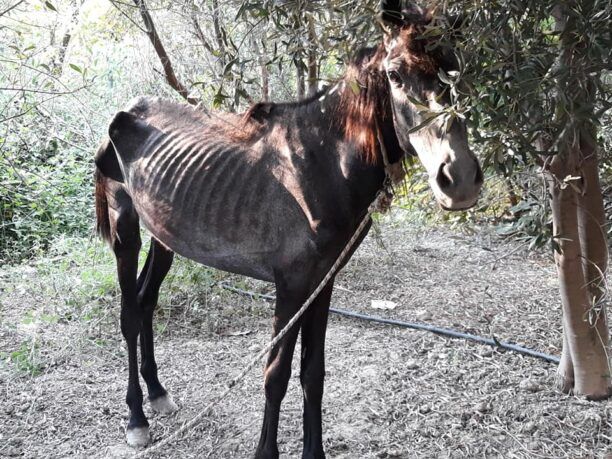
(379,201)
(416,326)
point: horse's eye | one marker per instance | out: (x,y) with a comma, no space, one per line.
(394,77)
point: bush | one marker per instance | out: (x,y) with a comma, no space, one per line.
(46,191)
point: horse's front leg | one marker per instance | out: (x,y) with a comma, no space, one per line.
(312,371)
(278,369)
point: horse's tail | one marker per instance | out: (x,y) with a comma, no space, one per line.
(103,227)
(108,170)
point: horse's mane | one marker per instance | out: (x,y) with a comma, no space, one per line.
(364,101)
(362,88)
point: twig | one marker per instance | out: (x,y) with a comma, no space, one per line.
(127,16)
(513,251)
(42,91)
(151,32)
(11,7)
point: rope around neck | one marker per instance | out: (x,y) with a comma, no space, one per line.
(378,203)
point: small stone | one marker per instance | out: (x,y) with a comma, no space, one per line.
(424,409)
(483,407)
(411,365)
(424,315)
(529,385)
(529,427)
(486,352)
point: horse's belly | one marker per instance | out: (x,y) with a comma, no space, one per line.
(239,219)
(221,206)
(226,257)
(223,242)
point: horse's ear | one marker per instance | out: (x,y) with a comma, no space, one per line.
(413,13)
(397,13)
(391,14)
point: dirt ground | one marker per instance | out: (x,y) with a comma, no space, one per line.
(390,392)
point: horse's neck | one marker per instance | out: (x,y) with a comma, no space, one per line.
(359,177)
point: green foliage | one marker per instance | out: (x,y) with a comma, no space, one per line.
(527,98)
(533,91)
(52,116)
(24,359)
(67,66)
(77,280)
(42,196)
(530,222)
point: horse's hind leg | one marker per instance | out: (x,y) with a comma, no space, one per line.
(159,261)
(125,241)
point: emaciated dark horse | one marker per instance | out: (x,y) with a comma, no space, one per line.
(274,194)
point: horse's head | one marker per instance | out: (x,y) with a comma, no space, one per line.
(413,66)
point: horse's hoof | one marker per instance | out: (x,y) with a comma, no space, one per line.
(266,454)
(138,437)
(164,405)
(317,454)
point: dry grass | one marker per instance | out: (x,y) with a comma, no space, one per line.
(389,392)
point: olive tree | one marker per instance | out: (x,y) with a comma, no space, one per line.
(534,78)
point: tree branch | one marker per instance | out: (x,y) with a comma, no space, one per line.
(43,91)
(171,77)
(218,33)
(200,34)
(12,7)
(58,63)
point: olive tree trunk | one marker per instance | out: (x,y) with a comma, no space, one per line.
(581,258)
(313,67)
(299,77)
(581,250)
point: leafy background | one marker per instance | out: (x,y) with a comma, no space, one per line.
(67,65)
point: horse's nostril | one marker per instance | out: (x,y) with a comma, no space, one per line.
(443,178)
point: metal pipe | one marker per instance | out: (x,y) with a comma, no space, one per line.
(493,342)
